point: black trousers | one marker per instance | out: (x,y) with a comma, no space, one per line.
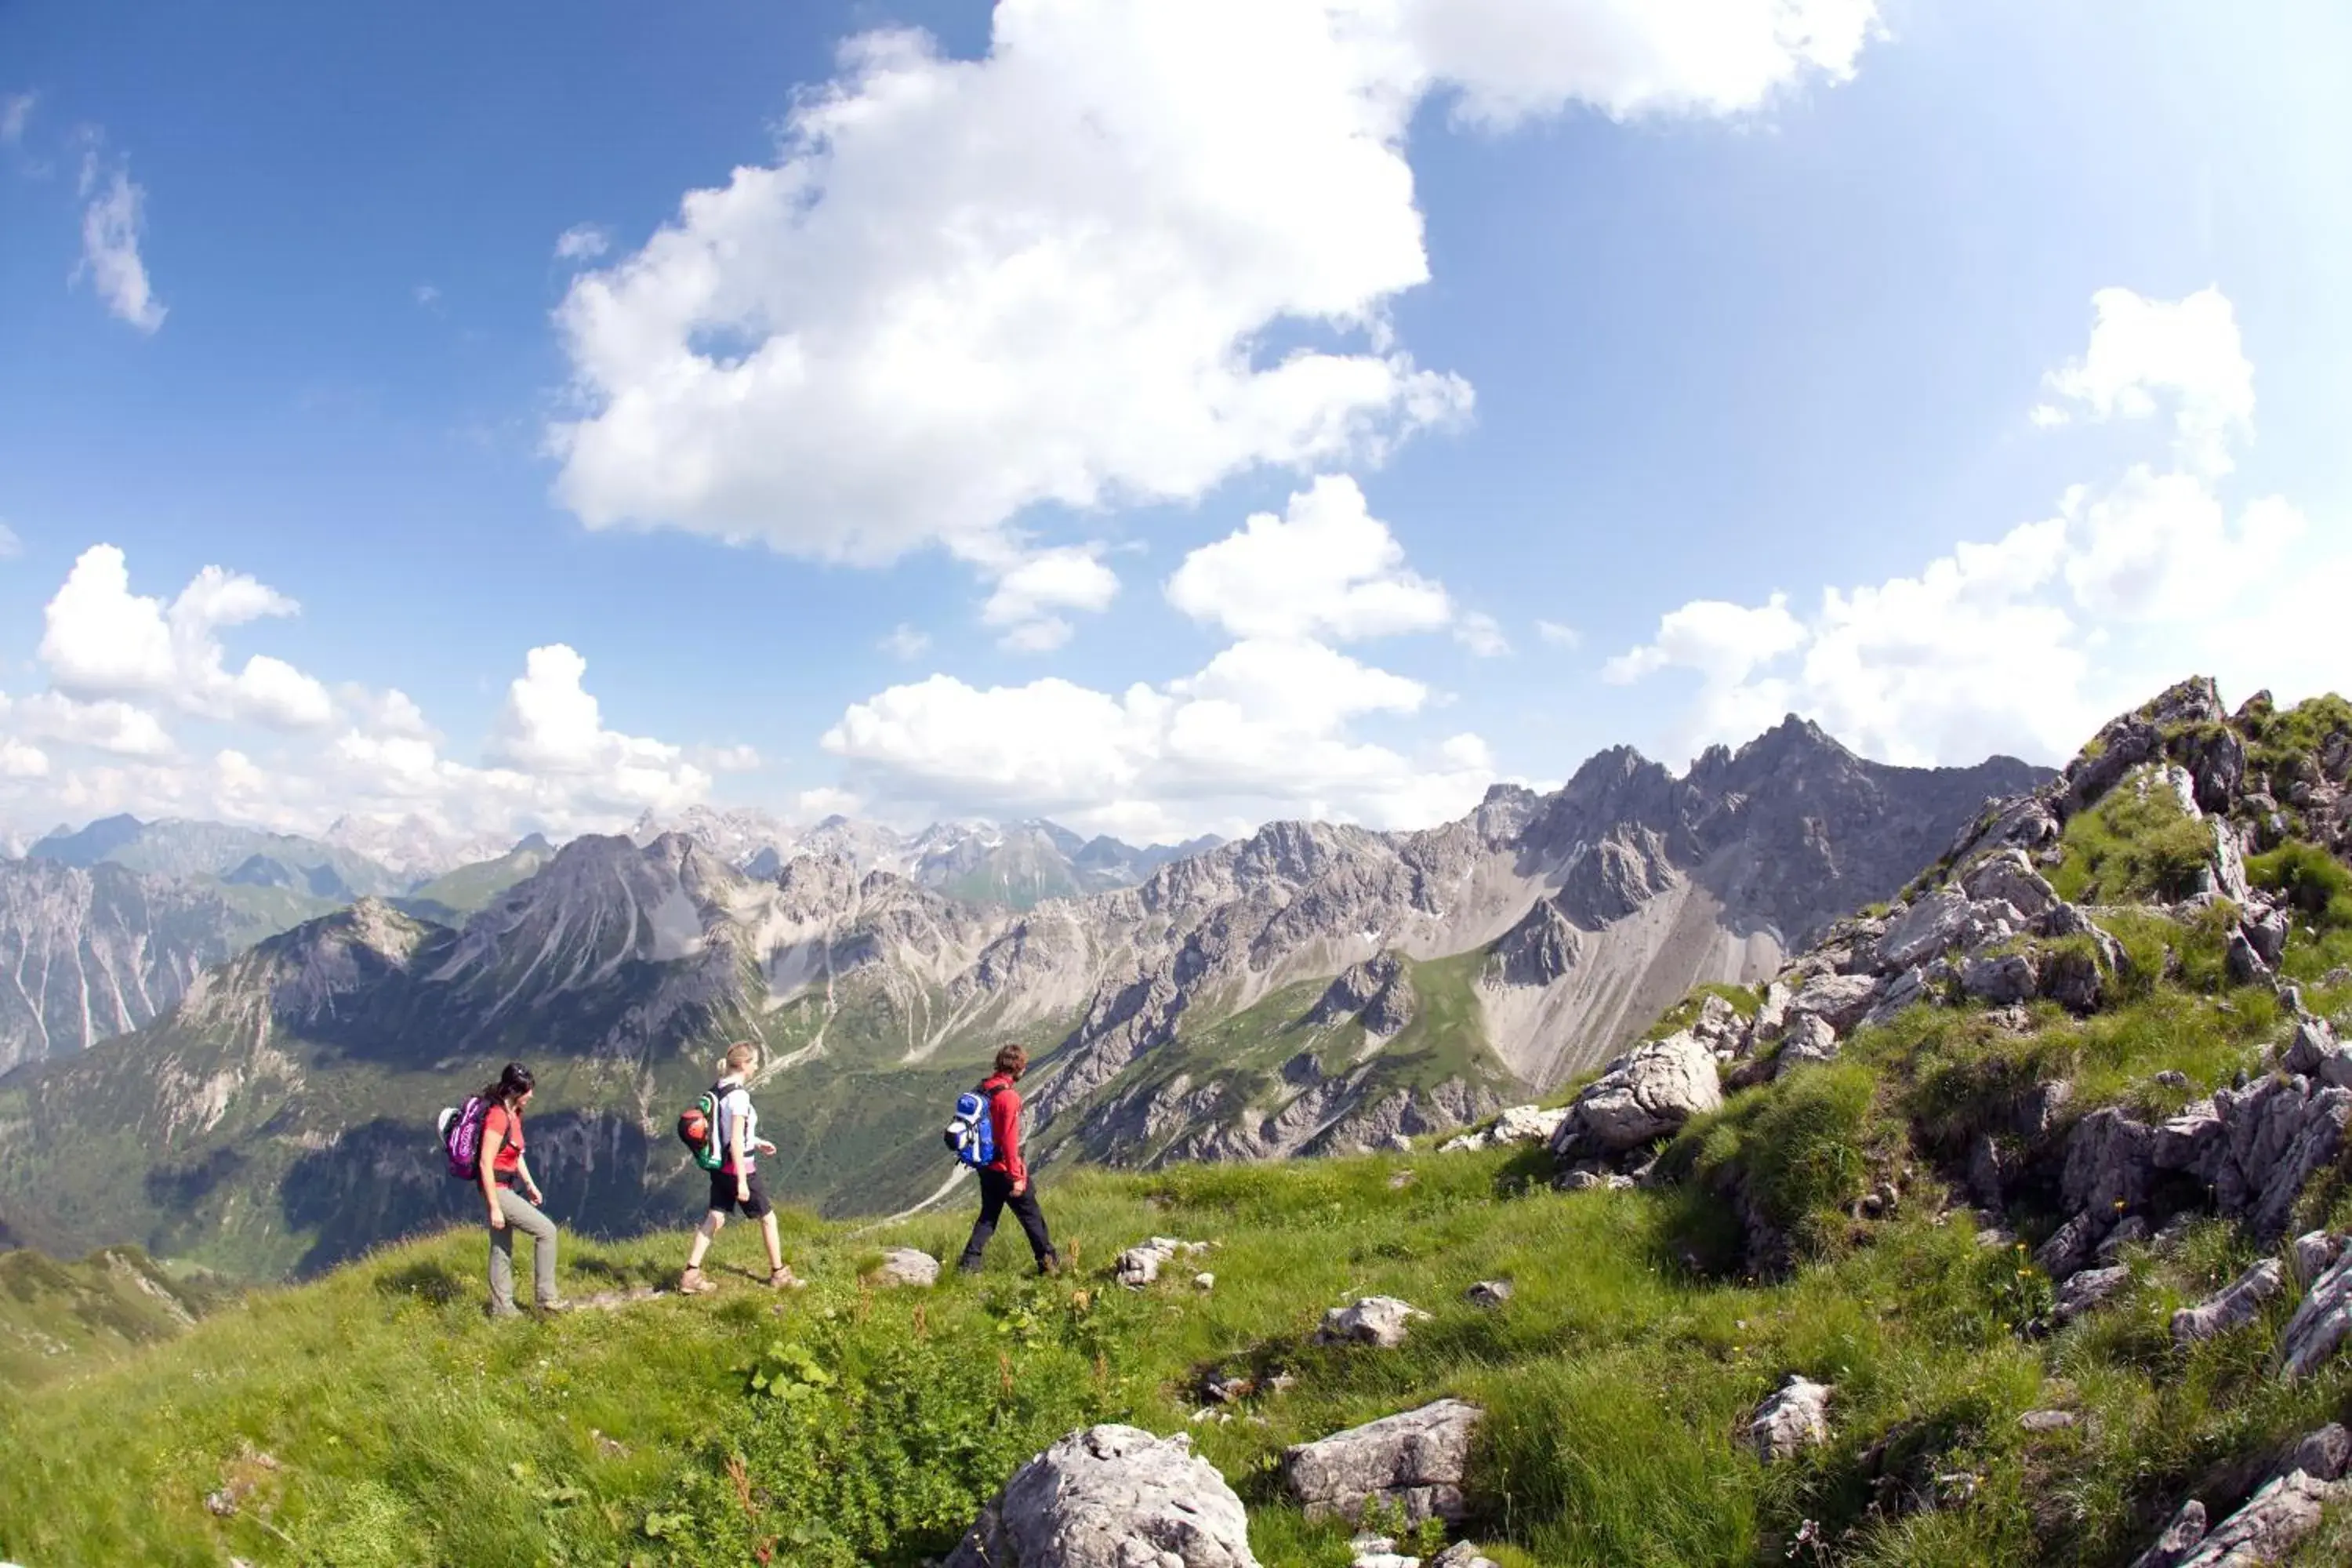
(995,1196)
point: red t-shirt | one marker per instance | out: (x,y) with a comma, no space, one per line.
(507,1125)
(1004,1120)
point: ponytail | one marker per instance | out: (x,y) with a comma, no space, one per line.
(513,1083)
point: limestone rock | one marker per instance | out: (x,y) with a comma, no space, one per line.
(1796,1418)
(1488,1293)
(1647,1094)
(2246,966)
(1111,1497)
(2010,877)
(2180,1538)
(1382,1321)
(1810,1040)
(2087,1288)
(1140,1265)
(2321,1324)
(1524,1124)
(2042,1421)
(2001,978)
(2323,1455)
(905,1265)
(1462,1554)
(2128,1231)
(1842,1000)
(2237,1305)
(2314,1252)
(2271,1525)
(2315,1052)
(1416,1462)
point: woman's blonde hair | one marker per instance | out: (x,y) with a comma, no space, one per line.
(740,1055)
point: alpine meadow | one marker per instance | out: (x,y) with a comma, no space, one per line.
(1175,784)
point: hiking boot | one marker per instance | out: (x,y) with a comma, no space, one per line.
(693,1283)
(785,1279)
(554,1307)
(1049,1266)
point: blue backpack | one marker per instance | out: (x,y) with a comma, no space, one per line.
(971,1131)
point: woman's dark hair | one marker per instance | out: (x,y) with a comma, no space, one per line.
(513,1083)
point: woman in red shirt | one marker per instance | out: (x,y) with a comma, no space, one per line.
(504,1170)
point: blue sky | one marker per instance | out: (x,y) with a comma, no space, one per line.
(1583,322)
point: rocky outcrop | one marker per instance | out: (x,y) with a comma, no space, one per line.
(1518,1124)
(1111,1497)
(1416,1462)
(2240,1303)
(2270,1526)
(1644,1095)
(2321,1324)
(1796,1418)
(90,952)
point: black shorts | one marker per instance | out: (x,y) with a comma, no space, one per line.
(722,1195)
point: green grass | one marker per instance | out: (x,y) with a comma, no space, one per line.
(2137,842)
(843,1426)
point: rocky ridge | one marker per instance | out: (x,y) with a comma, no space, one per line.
(2154,829)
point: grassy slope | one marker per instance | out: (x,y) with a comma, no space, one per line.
(413,1430)
(60,1318)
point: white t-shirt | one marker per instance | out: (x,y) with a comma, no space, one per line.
(736,1111)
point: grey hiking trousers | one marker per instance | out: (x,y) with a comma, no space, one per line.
(520,1217)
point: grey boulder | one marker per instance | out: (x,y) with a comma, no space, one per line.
(2237,1305)
(905,1265)
(1645,1094)
(1111,1497)
(1382,1321)
(1416,1461)
(1796,1418)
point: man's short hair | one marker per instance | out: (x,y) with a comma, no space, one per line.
(1012,1058)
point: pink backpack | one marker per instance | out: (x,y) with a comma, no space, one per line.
(461,1139)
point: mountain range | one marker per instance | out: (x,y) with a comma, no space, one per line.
(1312,988)
(105,950)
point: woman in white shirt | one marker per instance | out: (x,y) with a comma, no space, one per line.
(736,1184)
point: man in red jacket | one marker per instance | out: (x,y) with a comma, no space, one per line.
(1004,1180)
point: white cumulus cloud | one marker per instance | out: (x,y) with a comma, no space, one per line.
(1032,587)
(101,640)
(1325,568)
(2146,352)
(1055,273)
(1264,730)
(2026,643)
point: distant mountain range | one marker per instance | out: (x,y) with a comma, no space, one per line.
(1311,987)
(103,951)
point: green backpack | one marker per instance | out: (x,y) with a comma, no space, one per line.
(697,1129)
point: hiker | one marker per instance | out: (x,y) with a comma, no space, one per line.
(736,1185)
(1004,1180)
(504,1169)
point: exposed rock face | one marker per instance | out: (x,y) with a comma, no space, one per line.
(2321,1324)
(2088,1289)
(2269,1528)
(1841,1001)
(1646,1094)
(1518,1124)
(2234,1307)
(1808,1040)
(1111,1497)
(87,953)
(1382,1321)
(1416,1461)
(2179,1539)
(1796,1418)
